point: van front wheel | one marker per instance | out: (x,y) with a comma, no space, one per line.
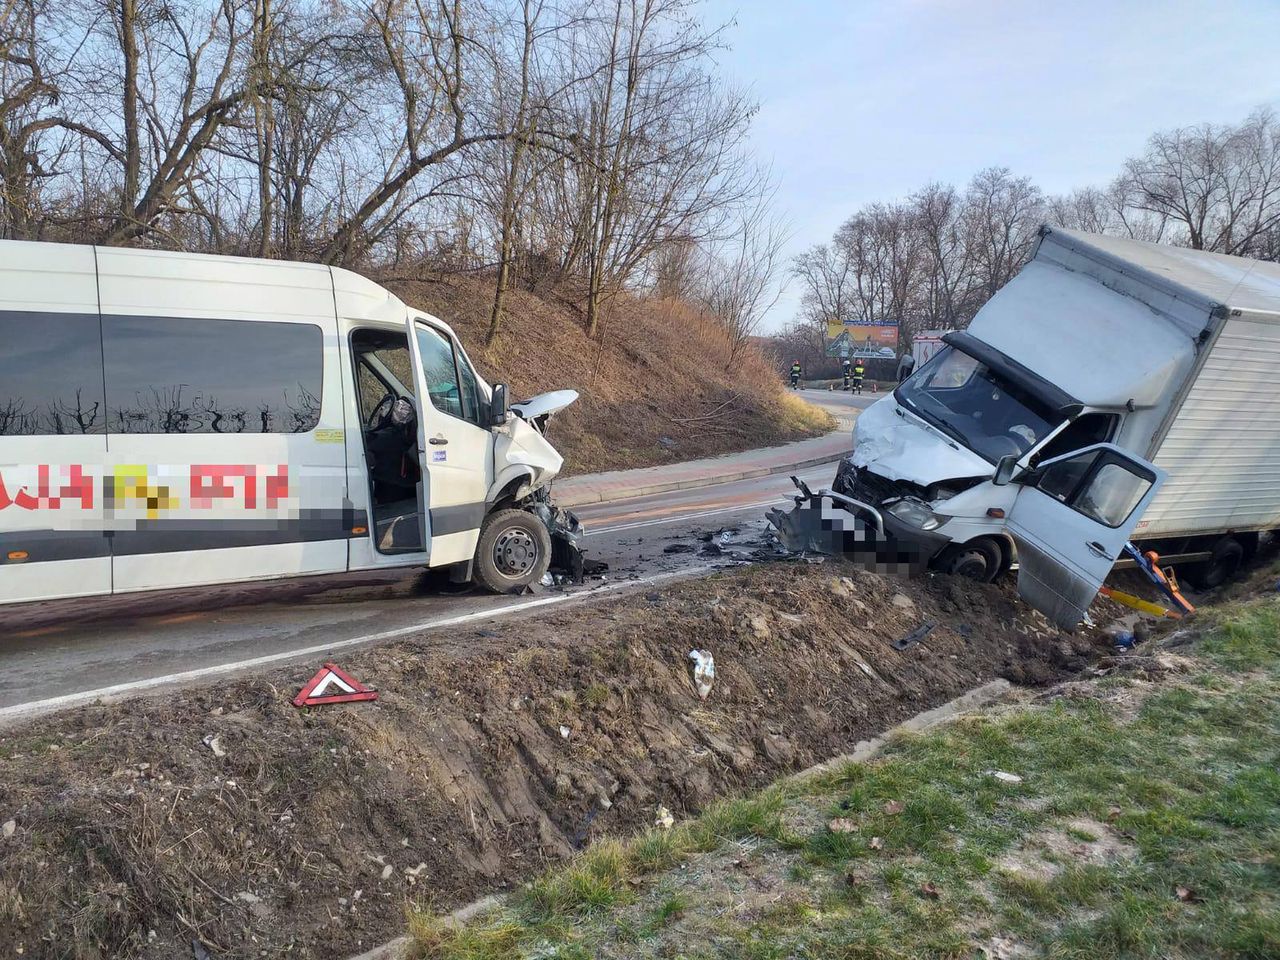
(514,551)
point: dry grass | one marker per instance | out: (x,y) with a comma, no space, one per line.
(657,388)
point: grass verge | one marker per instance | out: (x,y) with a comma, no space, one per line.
(1135,814)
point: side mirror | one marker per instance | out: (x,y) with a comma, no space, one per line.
(1005,469)
(499,406)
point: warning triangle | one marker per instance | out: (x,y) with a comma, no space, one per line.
(332,684)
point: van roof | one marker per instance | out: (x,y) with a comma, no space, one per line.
(1238,283)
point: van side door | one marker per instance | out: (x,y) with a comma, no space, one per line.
(455,445)
(1070,521)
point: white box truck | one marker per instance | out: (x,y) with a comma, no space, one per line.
(1112,389)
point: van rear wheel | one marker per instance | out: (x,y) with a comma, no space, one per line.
(514,551)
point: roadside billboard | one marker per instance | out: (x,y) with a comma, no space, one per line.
(875,333)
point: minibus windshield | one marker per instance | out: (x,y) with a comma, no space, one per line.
(970,402)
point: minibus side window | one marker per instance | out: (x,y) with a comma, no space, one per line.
(50,374)
(439,370)
(183,375)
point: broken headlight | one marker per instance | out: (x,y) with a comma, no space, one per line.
(916,513)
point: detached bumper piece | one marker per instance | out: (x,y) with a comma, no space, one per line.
(566,543)
(836,525)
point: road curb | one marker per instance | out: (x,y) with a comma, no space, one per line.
(572,499)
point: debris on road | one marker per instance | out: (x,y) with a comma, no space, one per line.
(664,819)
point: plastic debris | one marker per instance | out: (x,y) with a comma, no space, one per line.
(915,636)
(214,743)
(9,829)
(548,580)
(704,671)
(1005,777)
(564,731)
(664,819)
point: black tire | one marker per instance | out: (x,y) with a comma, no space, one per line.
(1228,555)
(978,559)
(514,551)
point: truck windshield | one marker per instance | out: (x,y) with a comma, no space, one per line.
(975,405)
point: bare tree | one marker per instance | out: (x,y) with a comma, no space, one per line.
(1219,184)
(740,282)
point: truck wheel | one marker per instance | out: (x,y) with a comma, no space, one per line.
(514,551)
(978,559)
(1228,554)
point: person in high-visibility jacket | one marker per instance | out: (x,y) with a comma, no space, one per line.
(859,371)
(796,373)
(845,367)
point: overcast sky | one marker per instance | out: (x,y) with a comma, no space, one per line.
(864,101)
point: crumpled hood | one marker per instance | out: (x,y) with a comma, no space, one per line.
(544,403)
(898,448)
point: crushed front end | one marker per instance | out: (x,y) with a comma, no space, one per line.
(862,517)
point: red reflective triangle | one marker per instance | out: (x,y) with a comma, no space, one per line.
(348,688)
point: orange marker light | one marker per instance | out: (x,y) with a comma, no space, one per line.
(359,530)
(17,554)
(996,513)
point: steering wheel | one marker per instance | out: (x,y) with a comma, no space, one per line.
(378,416)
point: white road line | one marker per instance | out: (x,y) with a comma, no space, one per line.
(685,516)
(21,710)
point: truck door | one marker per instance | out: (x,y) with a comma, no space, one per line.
(455,446)
(1071,519)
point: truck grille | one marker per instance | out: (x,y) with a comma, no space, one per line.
(862,484)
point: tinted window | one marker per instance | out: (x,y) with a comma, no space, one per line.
(50,374)
(169,375)
(439,371)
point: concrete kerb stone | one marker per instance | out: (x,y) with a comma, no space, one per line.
(583,497)
(865,750)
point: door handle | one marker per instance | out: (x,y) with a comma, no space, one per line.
(1098,550)
(437,441)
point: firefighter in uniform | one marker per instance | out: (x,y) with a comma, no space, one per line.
(796,372)
(844,366)
(858,372)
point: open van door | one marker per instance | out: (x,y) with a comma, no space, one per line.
(1071,520)
(454,444)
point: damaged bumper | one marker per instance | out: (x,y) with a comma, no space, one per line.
(566,540)
(838,525)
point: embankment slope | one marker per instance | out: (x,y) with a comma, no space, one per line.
(657,387)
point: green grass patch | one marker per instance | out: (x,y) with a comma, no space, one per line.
(1146,832)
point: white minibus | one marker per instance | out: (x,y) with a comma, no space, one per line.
(171,420)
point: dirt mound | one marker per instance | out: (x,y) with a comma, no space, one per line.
(229,817)
(656,388)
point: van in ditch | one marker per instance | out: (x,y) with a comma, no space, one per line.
(1113,389)
(171,420)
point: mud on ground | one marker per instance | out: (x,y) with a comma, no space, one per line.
(226,816)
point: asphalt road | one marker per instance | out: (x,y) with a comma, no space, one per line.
(66,652)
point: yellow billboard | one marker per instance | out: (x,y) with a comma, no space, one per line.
(880,333)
